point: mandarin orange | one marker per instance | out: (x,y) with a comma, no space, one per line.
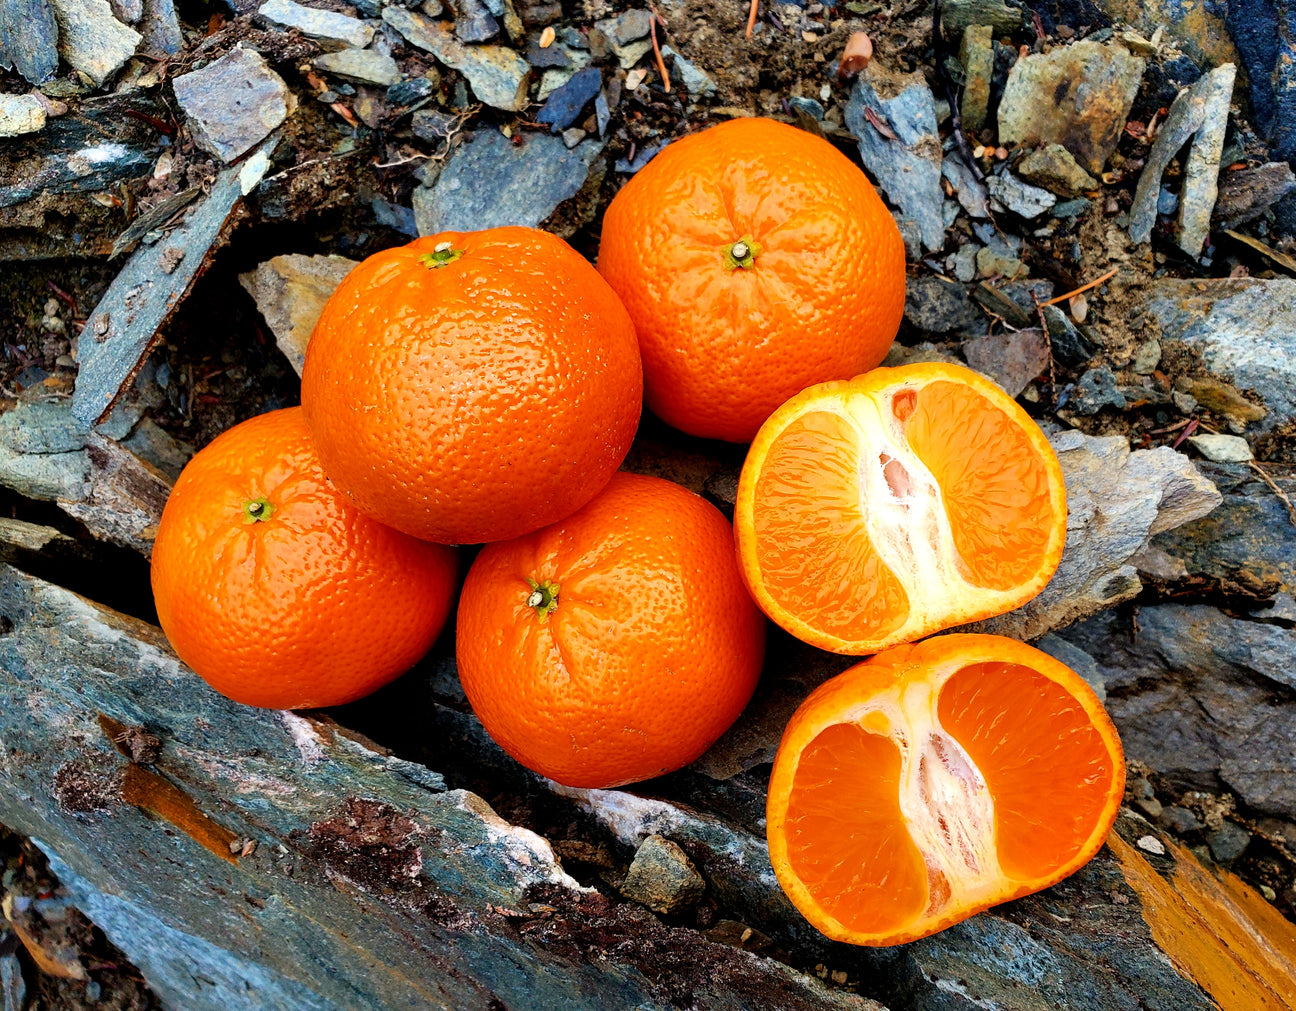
(616,645)
(473,386)
(935,780)
(881,509)
(755,259)
(275,590)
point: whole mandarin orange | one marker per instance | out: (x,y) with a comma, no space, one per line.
(275,590)
(755,260)
(473,386)
(616,645)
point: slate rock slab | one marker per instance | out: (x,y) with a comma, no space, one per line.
(564,105)
(490,182)
(290,291)
(366,65)
(497,75)
(20,114)
(123,327)
(1244,329)
(29,38)
(318,24)
(908,167)
(91,39)
(1012,359)
(233,103)
(1078,96)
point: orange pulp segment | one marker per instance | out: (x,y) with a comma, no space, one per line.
(884,508)
(936,780)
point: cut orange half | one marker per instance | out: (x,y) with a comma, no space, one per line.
(936,780)
(880,509)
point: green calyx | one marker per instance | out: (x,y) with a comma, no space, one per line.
(742,253)
(257,510)
(543,597)
(440,256)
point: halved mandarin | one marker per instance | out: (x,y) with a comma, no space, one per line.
(880,509)
(935,780)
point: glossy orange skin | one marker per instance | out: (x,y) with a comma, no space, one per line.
(315,605)
(651,652)
(478,400)
(722,348)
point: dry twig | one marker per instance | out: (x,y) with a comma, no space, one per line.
(1083,288)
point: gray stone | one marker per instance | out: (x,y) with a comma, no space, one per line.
(662,877)
(1201,110)
(698,82)
(290,292)
(1222,448)
(124,325)
(976,53)
(13,988)
(1012,359)
(366,65)
(971,192)
(1007,192)
(633,24)
(958,15)
(1203,698)
(1078,96)
(21,114)
(1055,168)
(908,167)
(29,38)
(91,39)
(992,263)
(1075,658)
(161,28)
(1178,820)
(1072,346)
(1116,501)
(632,52)
(473,21)
(1071,208)
(934,305)
(318,24)
(157,447)
(1228,842)
(572,137)
(490,182)
(233,103)
(1095,390)
(498,76)
(1246,194)
(1244,330)
(127,11)
(564,104)
(1147,356)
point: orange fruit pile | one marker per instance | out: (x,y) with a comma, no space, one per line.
(275,590)
(616,645)
(933,781)
(755,259)
(881,509)
(473,386)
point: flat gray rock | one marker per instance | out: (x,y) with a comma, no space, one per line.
(29,38)
(233,103)
(1012,358)
(367,65)
(161,28)
(490,182)
(91,39)
(1116,501)
(1220,448)
(1078,96)
(290,291)
(318,24)
(908,167)
(122,328)
(1055,168)
(1244,329)
(1007,192)
(20,114)
(497,75)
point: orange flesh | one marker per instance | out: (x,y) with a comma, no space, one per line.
(853,851)
(999,517)
(814,551)
(1043,761)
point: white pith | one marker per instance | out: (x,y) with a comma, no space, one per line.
(948,811)
(911,531)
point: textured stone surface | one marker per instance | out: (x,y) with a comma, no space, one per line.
(935,305)
(1116,501)
(564,104)
(976,53)
(1012,359)
(317,24)
(1221,448)
(412,895)
(1007,192)
(1245,331)
(662,877)
(498,76)
(1246,194)
(1197,194)
(20,114)
(161,28)
(233,103)
(29,38)
(1078,96)
(490,182)
(366,65)
(91,39)
(908,168)
(956,15)
(1054,168)
(290,292)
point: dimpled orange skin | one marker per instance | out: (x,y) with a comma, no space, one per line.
(313,605)
(722,348)
(476,400)
(650,652)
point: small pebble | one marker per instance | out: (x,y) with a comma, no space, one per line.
(1269,894)
(1151,844)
